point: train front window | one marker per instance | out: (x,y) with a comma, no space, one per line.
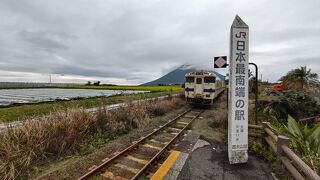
(199,80)
(190,79)
(209,79)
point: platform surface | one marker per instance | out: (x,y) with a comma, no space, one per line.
(196,158)
(210,161)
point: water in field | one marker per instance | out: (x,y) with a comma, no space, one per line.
(19,96)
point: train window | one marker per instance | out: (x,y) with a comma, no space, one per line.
(199,80)
(209,79)
(190,79)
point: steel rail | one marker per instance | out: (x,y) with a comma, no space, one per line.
(104,164)
(165,147)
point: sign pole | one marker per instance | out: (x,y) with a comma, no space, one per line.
(256,94)
(238,92)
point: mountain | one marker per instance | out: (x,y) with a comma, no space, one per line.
(176,76)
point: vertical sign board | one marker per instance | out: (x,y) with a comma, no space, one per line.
(238,92)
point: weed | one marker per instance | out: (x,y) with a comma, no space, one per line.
(95,140)
(220,118)
(304,139)
(29,111)
(69,131)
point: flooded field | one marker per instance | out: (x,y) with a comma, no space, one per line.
(21,96)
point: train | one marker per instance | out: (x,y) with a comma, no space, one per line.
(202,87)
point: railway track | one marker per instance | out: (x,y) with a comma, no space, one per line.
(133,161)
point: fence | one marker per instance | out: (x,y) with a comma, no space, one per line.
(286,158)
(312,120)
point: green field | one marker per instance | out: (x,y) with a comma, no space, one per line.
(27,111)
(141,88)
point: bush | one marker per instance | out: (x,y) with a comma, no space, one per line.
(304,139)
(297,104)
(71,131)
(53,136)
(303,104)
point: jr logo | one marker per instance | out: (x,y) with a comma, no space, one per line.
(243,34)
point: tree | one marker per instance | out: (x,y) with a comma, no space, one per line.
(299,77)
(88,83)
(97,83)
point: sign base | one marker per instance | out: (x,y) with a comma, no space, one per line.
(238,156)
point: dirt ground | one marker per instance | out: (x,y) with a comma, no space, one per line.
(75,166)
(213,123)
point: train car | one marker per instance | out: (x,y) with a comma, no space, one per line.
(202,87)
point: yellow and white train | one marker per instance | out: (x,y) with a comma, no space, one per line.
(203,87)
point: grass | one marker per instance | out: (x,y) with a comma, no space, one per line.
(304,140)
(69,132)
(300,135)
(141,88)
(261,93)
(32,110)
(213,123)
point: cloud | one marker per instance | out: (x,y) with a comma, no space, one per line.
(47,41)
(135,41)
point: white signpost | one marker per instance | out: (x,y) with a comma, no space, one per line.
(238,92)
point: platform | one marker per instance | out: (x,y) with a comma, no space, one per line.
(196,158)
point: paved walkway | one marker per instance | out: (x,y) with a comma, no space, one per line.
(196,158)
(209,160)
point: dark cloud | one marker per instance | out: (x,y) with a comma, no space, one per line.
(136,41)
(42,40)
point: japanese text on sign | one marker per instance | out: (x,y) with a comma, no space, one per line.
(238,92)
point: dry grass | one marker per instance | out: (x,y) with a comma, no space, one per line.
(220,118)
(213,123)
(63,133)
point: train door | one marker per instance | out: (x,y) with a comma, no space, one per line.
(198,87)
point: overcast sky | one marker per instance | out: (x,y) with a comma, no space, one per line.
(135,41)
